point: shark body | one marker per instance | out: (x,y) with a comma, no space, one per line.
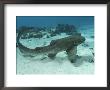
(68,44)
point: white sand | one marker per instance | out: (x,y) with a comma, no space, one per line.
(60,65)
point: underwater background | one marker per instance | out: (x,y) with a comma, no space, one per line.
(52,21)
(48,28)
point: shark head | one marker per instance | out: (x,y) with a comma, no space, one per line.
(78,40)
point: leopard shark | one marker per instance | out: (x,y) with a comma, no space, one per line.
(68,44)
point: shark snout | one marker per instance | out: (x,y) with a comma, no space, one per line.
(82,40)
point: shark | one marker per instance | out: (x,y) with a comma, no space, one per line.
(68,44)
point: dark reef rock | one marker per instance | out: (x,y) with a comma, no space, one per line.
(40,28)
(52,34)
(65,28)
(38,32)
(92,50)
(85,44)
(48,36)
(16,45)
(91,36)
(35,35)
(30,33)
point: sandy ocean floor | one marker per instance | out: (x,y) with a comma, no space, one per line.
(61,64)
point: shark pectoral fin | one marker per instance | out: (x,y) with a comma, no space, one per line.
(71,52)
(52,55)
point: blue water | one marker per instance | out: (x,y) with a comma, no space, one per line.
(52,21)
